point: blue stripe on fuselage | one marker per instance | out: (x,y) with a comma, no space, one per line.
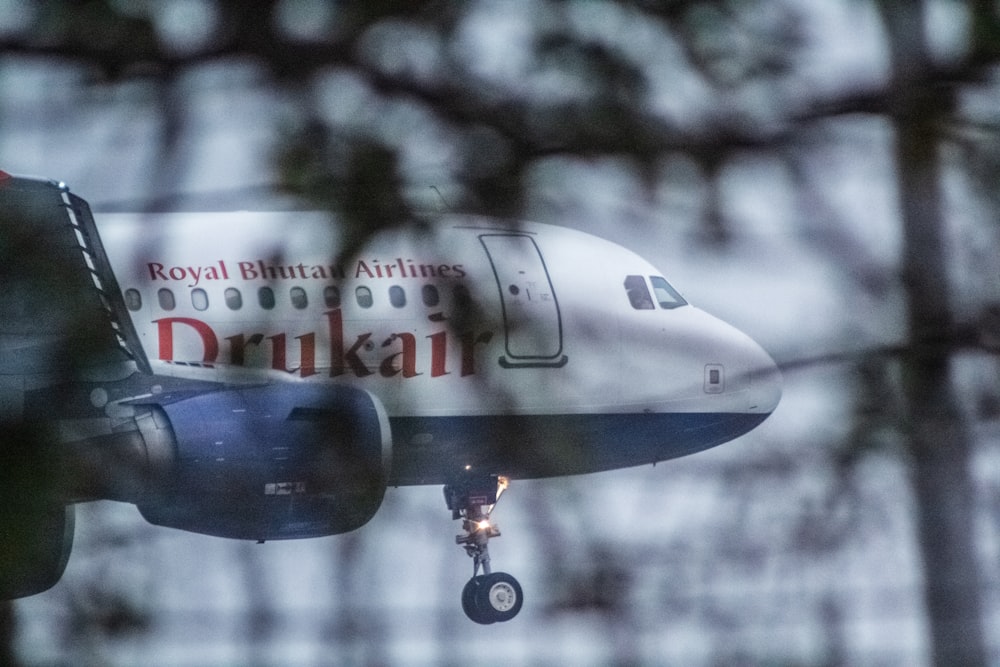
(433,450)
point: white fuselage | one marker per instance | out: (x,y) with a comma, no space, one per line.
(467,317)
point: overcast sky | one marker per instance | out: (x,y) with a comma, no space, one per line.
(792,292)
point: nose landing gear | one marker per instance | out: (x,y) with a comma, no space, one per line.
(490,597)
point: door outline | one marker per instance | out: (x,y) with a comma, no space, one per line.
(511,282)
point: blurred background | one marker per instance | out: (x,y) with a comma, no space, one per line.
(820,173)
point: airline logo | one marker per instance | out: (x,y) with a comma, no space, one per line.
(336,346)
(259,269)
(401,353)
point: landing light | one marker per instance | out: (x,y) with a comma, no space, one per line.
(483,525)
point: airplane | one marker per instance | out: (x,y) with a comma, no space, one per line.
(251,375)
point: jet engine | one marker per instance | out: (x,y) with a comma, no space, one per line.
(273,462)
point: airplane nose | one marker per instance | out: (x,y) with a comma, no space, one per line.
(749,376)
(765,381)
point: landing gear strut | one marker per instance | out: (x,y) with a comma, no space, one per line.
(490,597)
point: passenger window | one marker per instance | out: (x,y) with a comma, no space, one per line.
(463,300)
(397,296)
(665,293)
(430,295)
(133,300)
(265,297)
(299,298)
(234,300)
(331,296)
(638,293)
(166,299)
(199,299)
(364,297)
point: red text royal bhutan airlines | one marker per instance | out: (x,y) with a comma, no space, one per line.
(241,375)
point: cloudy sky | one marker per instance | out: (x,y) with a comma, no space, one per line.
(710,557)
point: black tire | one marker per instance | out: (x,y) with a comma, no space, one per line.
(499,597)
(471,595)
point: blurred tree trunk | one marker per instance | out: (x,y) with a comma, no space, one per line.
(7,632)
(938,440)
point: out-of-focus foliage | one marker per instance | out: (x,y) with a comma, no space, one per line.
(493,102)
(489,88)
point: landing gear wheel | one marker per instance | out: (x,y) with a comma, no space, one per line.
(471,596)
(490,597)
(500,596)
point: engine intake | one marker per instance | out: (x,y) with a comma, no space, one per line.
(273,462)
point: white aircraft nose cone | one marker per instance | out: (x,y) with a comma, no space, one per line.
(752,376)
(765,382)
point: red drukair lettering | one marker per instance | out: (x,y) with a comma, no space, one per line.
(405,361)
(165,336)
(307,354)
(402,355)
(341,359)
(469,341)
(439,353)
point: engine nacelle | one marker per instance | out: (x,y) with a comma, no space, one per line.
(274,462)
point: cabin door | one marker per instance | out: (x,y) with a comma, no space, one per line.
(532,325)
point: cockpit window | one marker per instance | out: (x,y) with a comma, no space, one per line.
(638,293)
(665,293)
